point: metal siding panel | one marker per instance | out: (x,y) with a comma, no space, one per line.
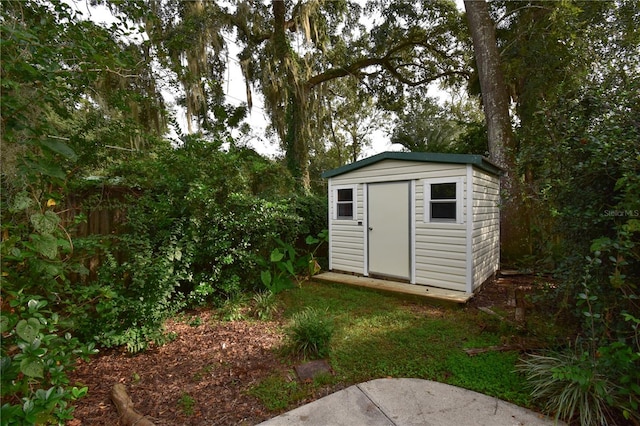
(442,280)
(486,226)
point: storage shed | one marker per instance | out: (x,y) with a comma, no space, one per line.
(422,218)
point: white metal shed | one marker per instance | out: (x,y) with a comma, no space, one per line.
(423,218)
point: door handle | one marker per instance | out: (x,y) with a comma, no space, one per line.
(370,228)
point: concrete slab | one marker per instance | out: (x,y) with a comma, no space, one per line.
(414,402)
(409,402)
(414,290)
(348,407)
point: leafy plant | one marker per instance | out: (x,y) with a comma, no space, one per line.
(597,378)
(309,333)
(285,266)
(36,357)
(318,241)
(234,309)
(265,305)
(281,268)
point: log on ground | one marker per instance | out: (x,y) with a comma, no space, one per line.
(128,415)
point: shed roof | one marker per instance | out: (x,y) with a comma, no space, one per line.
(425,157)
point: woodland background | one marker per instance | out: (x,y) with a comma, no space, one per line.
(548,90)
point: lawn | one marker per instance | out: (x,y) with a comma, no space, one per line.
(378,335)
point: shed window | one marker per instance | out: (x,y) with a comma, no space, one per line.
(443,201)
(344,203)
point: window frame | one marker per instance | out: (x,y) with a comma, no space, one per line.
(353,202)
(459,200)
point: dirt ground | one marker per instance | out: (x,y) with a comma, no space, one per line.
(202,377)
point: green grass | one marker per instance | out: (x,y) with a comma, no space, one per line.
(379,335)
(277,393)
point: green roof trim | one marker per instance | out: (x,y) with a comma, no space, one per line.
(425,157)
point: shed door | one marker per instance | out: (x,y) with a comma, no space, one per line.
(388,220)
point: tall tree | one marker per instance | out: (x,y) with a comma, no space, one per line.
(290,49)
(501,139)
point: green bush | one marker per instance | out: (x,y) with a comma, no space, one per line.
(36,356)
(569,384)
(586,173)
(309,333)
(313,209)
(194,234)
(38,349)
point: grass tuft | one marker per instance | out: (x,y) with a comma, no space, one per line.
(309,333)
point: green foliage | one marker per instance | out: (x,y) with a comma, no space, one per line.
(599,378)
(569,384)
(37,254)
(193,234)
(285,267)
(320,241)
(579,159)
(277,393)
(576,383)
(35,358)
(313,210)
(265,305)
(309,333)
(187,404)
(282,268)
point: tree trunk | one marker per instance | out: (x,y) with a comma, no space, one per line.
(294,95)
(495,99)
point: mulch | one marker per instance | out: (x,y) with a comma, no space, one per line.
(200,378)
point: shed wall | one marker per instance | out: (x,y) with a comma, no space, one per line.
(486,226)
(346,237)
(440,247)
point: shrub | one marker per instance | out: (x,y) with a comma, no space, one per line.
(598,380)
(37,348)
(36,357)
(193,234)
(309,333)
(313,210)
(570,384)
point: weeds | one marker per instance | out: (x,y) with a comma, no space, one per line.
(264,305)
(570,384)
(187,404)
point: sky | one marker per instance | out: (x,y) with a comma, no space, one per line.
(235,93)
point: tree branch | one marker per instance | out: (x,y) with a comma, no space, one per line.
(353,69)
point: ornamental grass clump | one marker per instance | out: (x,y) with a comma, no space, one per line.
(309,333)
(570,385)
